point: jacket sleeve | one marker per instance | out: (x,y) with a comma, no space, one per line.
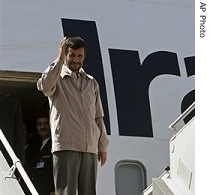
(47,82)
(103,139)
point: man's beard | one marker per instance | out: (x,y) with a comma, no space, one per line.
(74,66)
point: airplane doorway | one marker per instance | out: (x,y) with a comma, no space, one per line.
(22,86)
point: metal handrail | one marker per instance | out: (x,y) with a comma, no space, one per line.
(173,125)
(17,164)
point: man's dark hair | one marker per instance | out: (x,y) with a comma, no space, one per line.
(75,43)
(42,115)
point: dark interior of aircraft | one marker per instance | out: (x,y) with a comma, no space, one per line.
(22,86)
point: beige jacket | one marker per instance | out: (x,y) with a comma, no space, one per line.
(76,116)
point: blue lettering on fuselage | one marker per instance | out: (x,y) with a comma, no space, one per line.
(131,78)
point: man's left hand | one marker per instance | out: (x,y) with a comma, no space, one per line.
(102,156)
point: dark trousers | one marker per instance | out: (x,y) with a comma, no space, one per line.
(74,171)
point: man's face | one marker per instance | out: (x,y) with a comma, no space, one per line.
(43,128)
(75,59)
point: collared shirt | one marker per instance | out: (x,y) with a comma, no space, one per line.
(44,142)
(76,115)
(77,79)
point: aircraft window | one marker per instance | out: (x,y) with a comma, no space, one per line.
(130,177)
